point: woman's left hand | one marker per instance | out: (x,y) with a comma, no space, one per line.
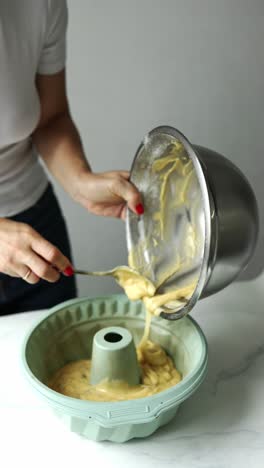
(108,193)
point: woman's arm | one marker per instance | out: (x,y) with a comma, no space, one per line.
(58,142)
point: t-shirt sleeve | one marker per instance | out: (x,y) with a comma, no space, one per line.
(53,52)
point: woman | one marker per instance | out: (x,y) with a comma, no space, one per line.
(35,253)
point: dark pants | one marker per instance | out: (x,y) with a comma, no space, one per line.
(16,295)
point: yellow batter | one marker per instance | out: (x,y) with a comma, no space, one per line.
(174,175)
(157,368)
(135,285)
(158,373)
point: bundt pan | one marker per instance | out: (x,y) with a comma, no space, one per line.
(66,334)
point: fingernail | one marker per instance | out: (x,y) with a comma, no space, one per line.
(68,271)
(140,209)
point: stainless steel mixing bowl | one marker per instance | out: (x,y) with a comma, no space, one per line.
(211,227)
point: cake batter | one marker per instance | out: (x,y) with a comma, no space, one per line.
(158,373)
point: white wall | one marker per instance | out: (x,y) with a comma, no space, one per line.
(133,65)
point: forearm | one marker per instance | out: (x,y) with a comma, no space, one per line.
(60,146)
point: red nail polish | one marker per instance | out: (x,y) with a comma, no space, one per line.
(140,209)
(68,271)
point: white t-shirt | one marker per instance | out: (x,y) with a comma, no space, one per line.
(32,40)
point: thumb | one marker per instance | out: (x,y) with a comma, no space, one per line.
(131,195)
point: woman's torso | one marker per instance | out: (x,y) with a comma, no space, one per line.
(22,178)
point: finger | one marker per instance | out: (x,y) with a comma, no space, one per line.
(18,270)
(123,214)
(28,275)
(41,268)
(129,192)
(50,253)
(124,174)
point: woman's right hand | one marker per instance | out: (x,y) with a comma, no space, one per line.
(25,253)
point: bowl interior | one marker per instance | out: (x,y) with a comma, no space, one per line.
(66,334)
(170,243)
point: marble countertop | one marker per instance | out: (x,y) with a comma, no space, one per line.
(220,426)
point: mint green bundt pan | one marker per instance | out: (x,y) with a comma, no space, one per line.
(66,334)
